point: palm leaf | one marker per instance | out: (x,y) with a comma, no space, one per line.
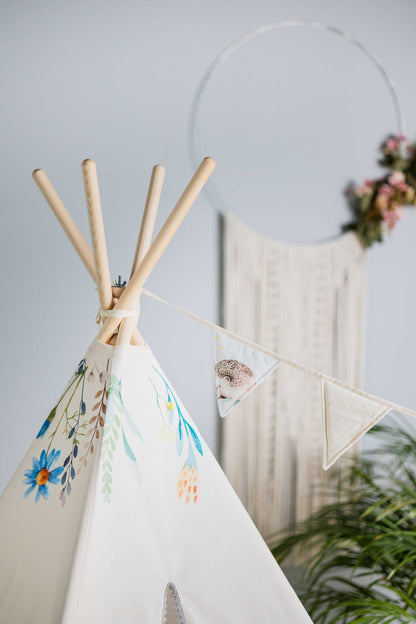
(362,563)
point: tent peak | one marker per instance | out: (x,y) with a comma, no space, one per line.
(146,255)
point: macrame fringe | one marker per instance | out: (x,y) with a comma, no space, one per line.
(306,301)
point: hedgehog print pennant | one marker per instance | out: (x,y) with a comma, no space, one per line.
(238,370)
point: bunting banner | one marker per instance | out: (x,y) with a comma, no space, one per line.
(347,416)
(241,365)
(239,369)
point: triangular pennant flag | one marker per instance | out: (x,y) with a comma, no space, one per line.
(346,417)
(238,370)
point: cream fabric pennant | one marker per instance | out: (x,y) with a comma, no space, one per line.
(346,417)
(238,370)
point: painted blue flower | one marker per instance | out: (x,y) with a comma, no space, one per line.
(41,474)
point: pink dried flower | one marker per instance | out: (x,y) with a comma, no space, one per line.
(396,178)
(391,145)
(386,190)
(390,217)
(365,188)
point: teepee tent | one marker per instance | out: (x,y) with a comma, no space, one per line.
(119,512)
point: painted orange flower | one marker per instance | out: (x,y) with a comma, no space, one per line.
(188,484)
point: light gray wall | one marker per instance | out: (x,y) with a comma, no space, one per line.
(290,120)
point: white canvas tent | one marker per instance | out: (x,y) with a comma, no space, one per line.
(119,512)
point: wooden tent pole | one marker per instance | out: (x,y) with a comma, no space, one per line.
(158,246)
(77,240)
(143,243)
(149,216)
(61,213)
(99,247)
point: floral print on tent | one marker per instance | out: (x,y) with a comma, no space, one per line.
(117,426)
(73,384)
(176,427)
(83,426)
(70,419)
(41,474)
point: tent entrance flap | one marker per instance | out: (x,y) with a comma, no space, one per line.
(172,607)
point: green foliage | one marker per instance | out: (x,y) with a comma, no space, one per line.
(362,569)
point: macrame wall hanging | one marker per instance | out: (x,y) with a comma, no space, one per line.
(305,300)
(308,301)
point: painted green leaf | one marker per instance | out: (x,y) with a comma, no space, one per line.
(128,450)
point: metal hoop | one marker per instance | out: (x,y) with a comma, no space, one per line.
(252,34)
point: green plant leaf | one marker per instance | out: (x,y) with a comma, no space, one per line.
(362,563)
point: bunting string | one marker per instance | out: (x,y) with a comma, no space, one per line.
(311,372)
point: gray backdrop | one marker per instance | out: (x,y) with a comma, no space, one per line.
(290,120)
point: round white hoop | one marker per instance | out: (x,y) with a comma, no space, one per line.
(209,188)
